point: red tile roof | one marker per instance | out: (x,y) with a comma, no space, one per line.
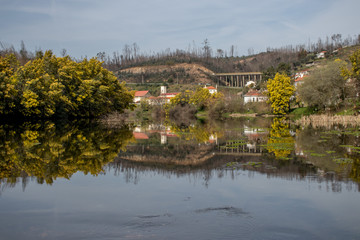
(211,87)
(170,93)
(140,135)
(140,93)
(254,93)
(299,79)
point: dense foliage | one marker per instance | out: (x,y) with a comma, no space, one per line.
(280,91)
(324,88)
(201,98)
(50,86)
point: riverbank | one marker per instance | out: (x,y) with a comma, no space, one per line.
(328,120)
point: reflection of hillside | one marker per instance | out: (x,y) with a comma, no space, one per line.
(179,154)
(216,167)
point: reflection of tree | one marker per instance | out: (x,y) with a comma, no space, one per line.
(48,152)
(355,170)
(330,150)
(280,142)
(199,132)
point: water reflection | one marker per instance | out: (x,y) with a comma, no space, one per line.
(274,147)
(281,143)
(46,151)
(334,152)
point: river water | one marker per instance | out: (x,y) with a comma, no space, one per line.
(237,179)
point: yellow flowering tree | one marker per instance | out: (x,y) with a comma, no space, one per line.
(8,66)
(353,72)
(280,91)
(201,97)
(182,98)
(51,86)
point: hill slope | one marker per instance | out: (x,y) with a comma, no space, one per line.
(183,73)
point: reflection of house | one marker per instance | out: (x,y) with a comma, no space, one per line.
(140,135)
(140,95)
(254,96)
(213,138)
(298,150)
(255,134)
(165,135)
(211,89)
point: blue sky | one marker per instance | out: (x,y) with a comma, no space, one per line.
(86,27)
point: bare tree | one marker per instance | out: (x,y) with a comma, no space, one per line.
(63,52)
(232,50)
(206,49)
(220,53)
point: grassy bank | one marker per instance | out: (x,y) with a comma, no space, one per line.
(329,120)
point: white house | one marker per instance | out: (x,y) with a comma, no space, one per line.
(254,96)
(321,54)
(164,97)
(299,81)
(250,83)
(211,89)
(140,95)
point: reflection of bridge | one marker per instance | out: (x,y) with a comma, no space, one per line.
(240,147)
(238,79)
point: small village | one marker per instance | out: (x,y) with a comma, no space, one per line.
(252,94)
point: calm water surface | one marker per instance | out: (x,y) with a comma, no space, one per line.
(243,179)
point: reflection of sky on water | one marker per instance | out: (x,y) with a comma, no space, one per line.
(162,207)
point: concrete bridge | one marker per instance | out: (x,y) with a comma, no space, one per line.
(238,79)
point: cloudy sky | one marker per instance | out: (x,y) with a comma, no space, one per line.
(86,27)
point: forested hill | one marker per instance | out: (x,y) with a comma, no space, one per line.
(195,70)
(187,69)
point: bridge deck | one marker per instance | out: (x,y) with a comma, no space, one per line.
(238,79)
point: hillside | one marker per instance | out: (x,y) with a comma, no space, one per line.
(199,71)
(182,73)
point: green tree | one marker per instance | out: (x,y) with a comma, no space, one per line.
(325,87)
(270,72)
(280,91)
(284,68)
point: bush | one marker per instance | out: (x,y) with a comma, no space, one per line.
(258,107)
(218,109)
